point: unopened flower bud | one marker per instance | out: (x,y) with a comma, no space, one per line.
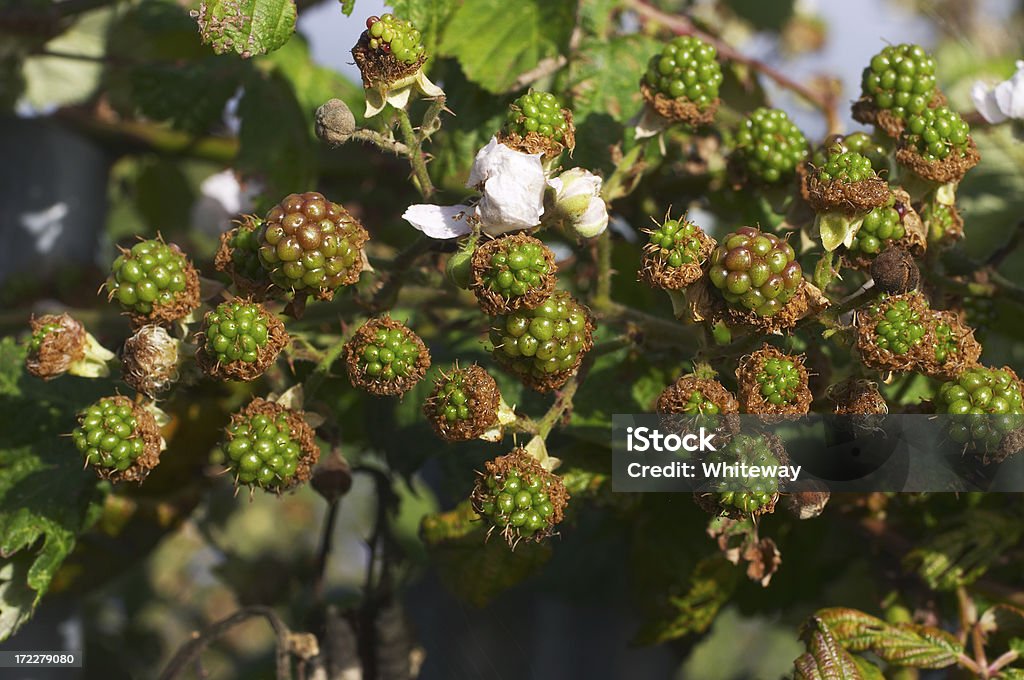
(578,203)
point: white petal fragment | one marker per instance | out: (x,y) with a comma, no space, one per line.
(439,221)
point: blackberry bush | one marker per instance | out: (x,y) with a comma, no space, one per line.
(311,245)
(512,272)
(269,446)
(543,347)
(517,497)
(154,283)
(986,405)
(674,254)
(464,404)
(240,340)
(769,146)
(385,358)
(536,122)
(119,439)
(682,81)
(899,82)
(755,271)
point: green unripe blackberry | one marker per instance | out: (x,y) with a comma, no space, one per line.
(518,498)
(512,272)
(901,327)
(120,439)
(394,36)
(540,113)
(154,282)
(881,226)
(384,357)
(943,222)
(545,345)
(845,166)
(674,254)
(687,68)
(769,146)
(57,341)
(39,333)
(865,145)
(937,133)
(945,343)
(774,383)
(269,446)
(312,245)
(464,404)
(745,495)
(987,405)
(240,340)
(238,257)
(779,381)
(755,271)
(900,79)
(693,396)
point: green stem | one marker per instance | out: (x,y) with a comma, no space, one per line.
(415,155)
(382,142)
(562,405)
(603,291)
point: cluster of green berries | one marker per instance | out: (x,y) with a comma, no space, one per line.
(517,269)
(151,274)
(881,226)
(981,391)
(539,112)
(236,331)
(755,270)
(311,243)
(901,327)
(769,145)
(244,243)
(543,341)
(862,143)
(936,133)
(746,494)
(262,451)
(35,341)
(698,404)
(518,504)
(395,36)
(390,354)
(901,79)
(677,242)
(845,166)
(452,401)
(779,381)
(945,343)
(687,68)
(108,434)
(940,221)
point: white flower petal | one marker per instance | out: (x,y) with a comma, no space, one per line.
(496,158)
(426,87)
(374,102)
(439,221)
(399,98)
(512,184)
(594,220)
(984,97)
(1009,96)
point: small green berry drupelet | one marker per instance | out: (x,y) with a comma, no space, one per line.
(744,495)
(39,333)
(901,327)
(384,357)
(240,340)
(755,271)
(943,222)
(769,146)
(269,446)
(154,282)
(544,346)
(687,68)
(845,166)
(119,439)
(540,113)
(464,404)
(512,272)
(518,498)
(397,37)
(881,226)
(238,257)
(900,79)
(312,245)
(936,134)
(987,405)
(945,343)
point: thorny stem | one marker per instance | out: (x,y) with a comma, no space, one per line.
(681,25)
(383,142)
(1005,660)
(189,653)
(415,154)
(562,405)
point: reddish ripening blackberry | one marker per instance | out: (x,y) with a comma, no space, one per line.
(755,271)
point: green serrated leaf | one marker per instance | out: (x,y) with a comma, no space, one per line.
(711,585)
(905,644)
(347,6)
(496,41)
(246,27)
(46,498)
(825,658)
(56,81)
(964,551)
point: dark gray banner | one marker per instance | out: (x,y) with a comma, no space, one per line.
(916,453)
